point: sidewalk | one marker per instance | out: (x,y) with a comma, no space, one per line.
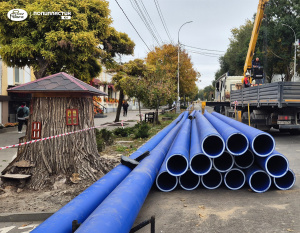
(12,137)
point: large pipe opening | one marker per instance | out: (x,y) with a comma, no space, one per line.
(177,165)
(200,164)
(189,181)
(212,180)
(166,182)
(234,179)
(237,144)
(245,160)
(260,182)
(224,162)
(285,182)
(213,146)
(263,145)
(277,165)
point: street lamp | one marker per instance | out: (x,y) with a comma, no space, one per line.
(295,55)
(178,98)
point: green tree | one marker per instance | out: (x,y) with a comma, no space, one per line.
(160,89)
(166,57)
(234,59)
(49,44)
(134,84)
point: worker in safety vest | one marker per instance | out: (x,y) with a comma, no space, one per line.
(246,80)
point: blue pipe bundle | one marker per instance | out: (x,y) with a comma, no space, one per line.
(233,166)
(118,211)
(86,202)
(261,143)
(114,201)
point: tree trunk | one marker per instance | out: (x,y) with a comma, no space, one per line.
(156,114)
(62,156)
(141,119)
(43,66)
(121,98)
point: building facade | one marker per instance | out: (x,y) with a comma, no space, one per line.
(9,103)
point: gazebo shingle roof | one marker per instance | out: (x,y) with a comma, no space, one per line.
(60,82)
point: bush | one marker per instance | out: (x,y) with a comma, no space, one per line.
(123,132)
(141,130)
(103,137)
(107,136)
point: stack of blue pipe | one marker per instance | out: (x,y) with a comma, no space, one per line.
(223,150)
(193,149)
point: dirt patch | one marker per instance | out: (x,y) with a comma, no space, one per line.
(16,200)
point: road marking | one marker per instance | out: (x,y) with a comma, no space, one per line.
(6,229)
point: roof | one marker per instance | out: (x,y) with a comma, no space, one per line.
(60,82)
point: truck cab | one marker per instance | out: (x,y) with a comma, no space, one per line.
(224,85)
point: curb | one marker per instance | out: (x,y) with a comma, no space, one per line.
(24,217)
(9,129)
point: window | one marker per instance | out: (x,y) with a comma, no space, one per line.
(17,75)
(110,91)
(72,116)
(36,130)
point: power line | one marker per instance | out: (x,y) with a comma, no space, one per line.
(141,14)
(132,24)
(145,9)
(162,19)
(205,54)
(203,49)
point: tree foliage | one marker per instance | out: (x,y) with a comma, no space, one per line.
(49,44)
(167,58)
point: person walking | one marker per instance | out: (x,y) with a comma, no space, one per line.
(125,106)
(22,114)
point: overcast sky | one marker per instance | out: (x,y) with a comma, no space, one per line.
(210,29)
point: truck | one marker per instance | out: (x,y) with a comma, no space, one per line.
(268,105)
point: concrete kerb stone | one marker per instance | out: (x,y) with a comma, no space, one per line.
(24,217)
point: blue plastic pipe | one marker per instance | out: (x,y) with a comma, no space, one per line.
(85,203)
(224,162)
(189,181)
(117,213)
(258,180)
(211,142)
(166,182)
(177,159)
(234,179)
(199,163)
(236,142)
(276,164)
(245,160)
(261,143)
(285,182)
(212,180)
